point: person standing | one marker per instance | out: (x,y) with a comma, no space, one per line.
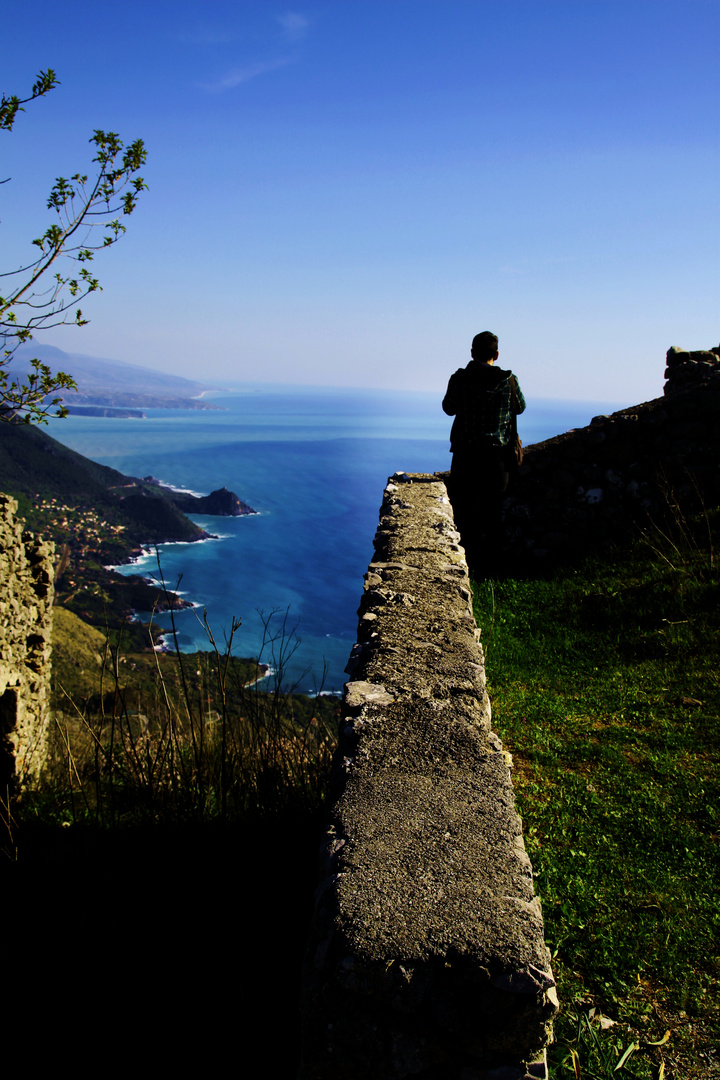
(484,399)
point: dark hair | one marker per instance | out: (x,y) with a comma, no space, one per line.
(484,346)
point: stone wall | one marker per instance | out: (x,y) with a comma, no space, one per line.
(26,596)
(634,470)
(690,369)
(427,956)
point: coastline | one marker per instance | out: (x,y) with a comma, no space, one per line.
(175,601)
(314,464)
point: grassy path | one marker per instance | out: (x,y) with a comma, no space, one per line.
(606,690)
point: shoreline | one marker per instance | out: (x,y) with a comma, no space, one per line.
(163,646)
(137,554)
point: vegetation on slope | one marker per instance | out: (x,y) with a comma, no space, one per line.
(168,859)
(48,479)
(97,517)
(605,690)
(162,876)
(178,738)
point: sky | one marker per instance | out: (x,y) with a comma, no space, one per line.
(344,193)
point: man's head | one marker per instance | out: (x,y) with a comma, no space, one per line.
(484,347)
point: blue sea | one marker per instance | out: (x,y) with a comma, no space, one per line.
(313,462)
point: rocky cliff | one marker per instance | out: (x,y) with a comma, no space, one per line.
(219,503)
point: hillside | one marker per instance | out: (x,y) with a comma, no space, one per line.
(40,471)
(97,517)
(84,670)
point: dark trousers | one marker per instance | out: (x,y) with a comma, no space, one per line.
(478,482)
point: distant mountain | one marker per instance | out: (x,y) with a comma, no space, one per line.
(112,383)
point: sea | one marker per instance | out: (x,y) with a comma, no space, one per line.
(314,463)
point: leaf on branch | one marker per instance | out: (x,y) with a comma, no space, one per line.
(26,401)
(77,203)
(46,81)
(10,107)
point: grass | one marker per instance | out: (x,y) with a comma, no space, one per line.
(605,688)
(170,739)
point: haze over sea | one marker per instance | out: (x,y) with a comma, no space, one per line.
(314,462)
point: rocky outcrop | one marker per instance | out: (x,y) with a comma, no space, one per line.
(427,956)
(99,410)
(26,596)
(219,503)
(123,399)
(223,503)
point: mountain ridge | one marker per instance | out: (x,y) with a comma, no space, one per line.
(112,383)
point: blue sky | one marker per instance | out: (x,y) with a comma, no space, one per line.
(345,193)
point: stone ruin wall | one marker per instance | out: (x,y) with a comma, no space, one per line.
(26,598)
(639,468)
(427,955)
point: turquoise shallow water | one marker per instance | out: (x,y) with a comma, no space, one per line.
(314,463)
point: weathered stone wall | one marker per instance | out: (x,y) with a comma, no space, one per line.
(685,369)
(634,469)
(26,596)
(427,955)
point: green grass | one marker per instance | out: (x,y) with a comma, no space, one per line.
(605,688)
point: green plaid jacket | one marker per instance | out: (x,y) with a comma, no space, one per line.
(480,397)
